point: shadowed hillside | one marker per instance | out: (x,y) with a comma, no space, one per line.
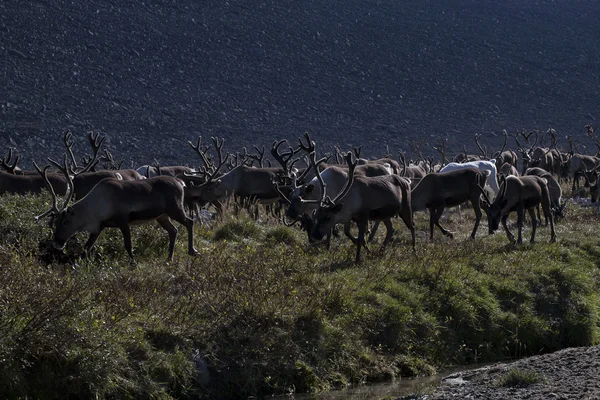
(153,75)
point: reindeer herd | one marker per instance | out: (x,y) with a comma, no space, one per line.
(316,193)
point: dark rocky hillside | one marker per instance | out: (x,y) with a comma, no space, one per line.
(152,75)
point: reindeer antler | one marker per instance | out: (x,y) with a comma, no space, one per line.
(351,166)
(4,163)
(441,148)
(483,149)
(65,170)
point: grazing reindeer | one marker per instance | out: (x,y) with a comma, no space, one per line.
(439,190)
(520,194)
(364,199)
(114,203)
(557,203)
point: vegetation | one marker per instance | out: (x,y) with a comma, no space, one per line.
(517,377)
(262,311)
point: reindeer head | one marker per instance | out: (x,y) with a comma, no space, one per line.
(65,222)
(495,210)
(329,212)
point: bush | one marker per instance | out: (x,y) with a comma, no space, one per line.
(517,377)
(238,229)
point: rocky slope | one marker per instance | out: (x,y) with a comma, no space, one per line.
(152,75)
(567,374)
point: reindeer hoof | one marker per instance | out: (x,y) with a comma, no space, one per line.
(194,252)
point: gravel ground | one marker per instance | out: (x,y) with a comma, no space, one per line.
(567,374)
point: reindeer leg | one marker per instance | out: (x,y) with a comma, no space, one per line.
(549,216)
(389,231)
(521,222)
(438,215)
(407,217)
(373,232)
(478,215)
(348,234)
(509,235)
(431,223)
(168,226)
(533,223)
(91,240)
(185,221)
(126,231)
(362,228)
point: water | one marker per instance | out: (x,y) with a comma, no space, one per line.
(401,387)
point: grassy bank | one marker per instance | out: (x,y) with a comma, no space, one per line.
(260,311)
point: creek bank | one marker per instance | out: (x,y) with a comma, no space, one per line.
(566,374)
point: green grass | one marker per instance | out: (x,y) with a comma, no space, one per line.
(517,377)
(261,311)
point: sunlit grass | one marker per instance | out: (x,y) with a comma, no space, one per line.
(262,311)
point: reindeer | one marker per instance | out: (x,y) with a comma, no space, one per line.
(577,164)
(508,169)
(33,184)
(114,203)
(505,156)
(481,165)
(439,190)
(246,184)
(520,194)
(150,171)
(378,167)
(465,156)
(84,178)
(411,171)
(526,152)
(364,199)
(591,178)
(557,204)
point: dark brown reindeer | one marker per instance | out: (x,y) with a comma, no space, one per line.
(557,204)
(520,194)
(246,184)
(364,199)
(436,191)
(114,203)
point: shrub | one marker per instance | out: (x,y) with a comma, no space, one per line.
(518,377)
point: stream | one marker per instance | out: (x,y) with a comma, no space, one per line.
(397,388)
